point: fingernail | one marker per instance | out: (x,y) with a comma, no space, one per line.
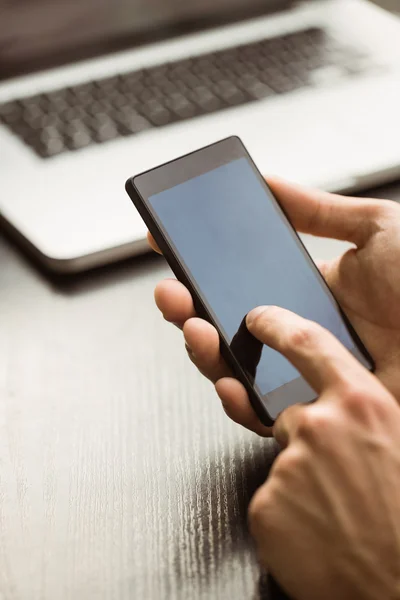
(253,314)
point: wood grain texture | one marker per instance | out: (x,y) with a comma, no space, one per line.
(120,475)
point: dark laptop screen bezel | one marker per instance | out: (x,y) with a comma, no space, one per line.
(58,57)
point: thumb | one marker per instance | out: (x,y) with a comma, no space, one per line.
(346,280)
(327,215)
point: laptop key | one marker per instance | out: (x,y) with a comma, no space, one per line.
(10,113)
(33,101)
(77,138)
(105,132)
(50,143)
(229,93)
(130,122)
(180,105)
(259,90)
(191,80)
(32,119)
(98,107)
(205,99)
(36,123)
(73,112)
(56,103)
(283,85)
(157,114)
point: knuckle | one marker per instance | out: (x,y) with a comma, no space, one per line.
(318,424)
(310,424)
(365,405)
(353,400)
(305,424)
(289,462)
(303,336)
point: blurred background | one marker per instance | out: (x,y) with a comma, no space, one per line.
(95,91)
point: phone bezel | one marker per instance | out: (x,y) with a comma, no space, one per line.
(141,187)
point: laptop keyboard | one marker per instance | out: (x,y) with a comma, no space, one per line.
(99,111)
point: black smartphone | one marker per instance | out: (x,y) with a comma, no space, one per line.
(229,242)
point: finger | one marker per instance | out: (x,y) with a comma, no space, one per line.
(329,271)
(153,243)
(322,360)
(327,215)
(347,281)
(236,404)
(203,341)
(286,424)
(174,301)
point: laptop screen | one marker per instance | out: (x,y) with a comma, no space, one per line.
(41,33)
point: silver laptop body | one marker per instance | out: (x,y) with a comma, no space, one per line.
(96,91)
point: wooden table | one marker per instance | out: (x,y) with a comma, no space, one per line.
(120,476)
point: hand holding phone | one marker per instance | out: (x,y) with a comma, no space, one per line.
(228,240)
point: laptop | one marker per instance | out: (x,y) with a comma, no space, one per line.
(92,92)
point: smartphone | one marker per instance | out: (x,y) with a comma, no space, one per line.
(229,242)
